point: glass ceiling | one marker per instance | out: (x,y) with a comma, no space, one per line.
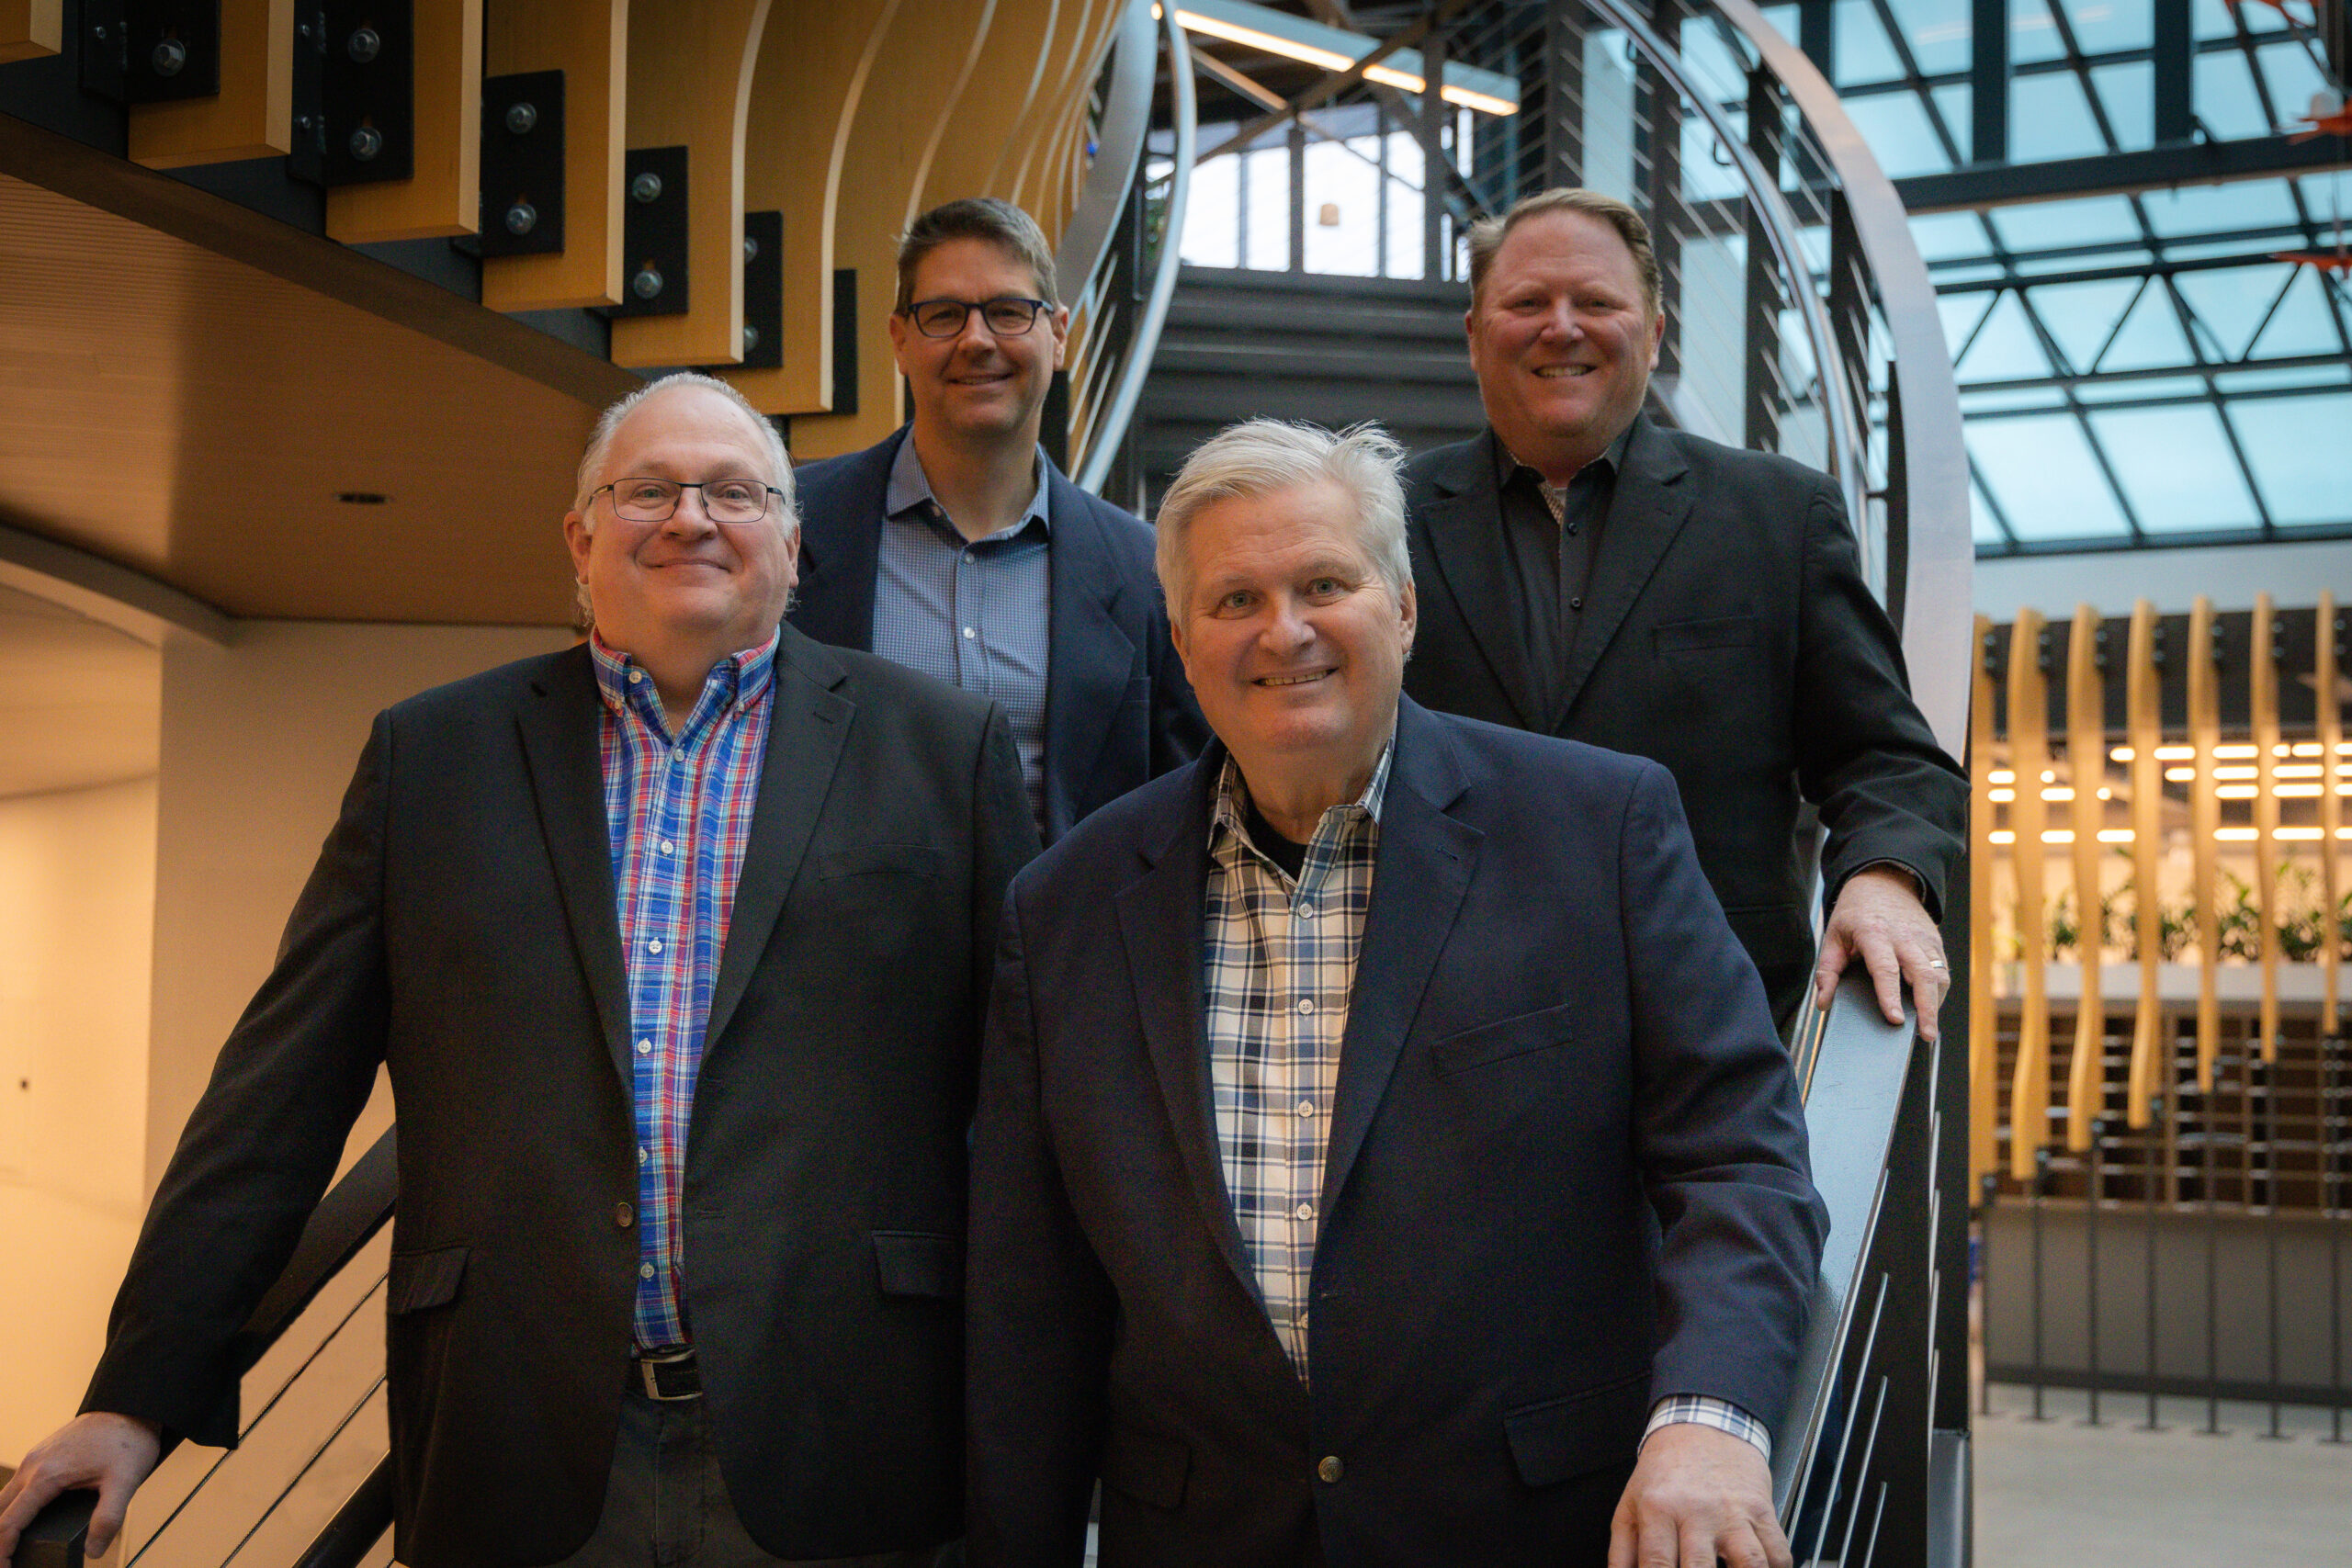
(2134,369)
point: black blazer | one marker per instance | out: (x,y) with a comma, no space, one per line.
(1118,710)
(1556,1055)
(1729,635)
(460,929)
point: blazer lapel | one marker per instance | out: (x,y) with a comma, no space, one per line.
(1464,524)
(1423,869)
(841,542)
(1159,923)
(1648,509)
(558,724)
(1086,675)
(807,729)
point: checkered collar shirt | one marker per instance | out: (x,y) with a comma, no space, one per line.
(679,809)
(1280,963)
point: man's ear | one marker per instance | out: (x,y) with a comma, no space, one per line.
(577,533)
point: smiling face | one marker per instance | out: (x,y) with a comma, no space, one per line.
(1562,340)
(975,386)
(687,582)
(1294,643)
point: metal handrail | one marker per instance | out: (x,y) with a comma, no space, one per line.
(1108,432)
(1118,151)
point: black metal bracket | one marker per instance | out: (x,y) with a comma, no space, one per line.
(521,163)
(763,291)
(151,51)
(653,233)
(355,100)
(844,340)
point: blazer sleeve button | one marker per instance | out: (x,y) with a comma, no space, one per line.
(1328,1469)
(624,1216)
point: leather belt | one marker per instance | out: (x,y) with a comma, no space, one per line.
(666,1374)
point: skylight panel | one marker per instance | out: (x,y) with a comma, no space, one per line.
(2144,390)
(2103,26)
(2295,446)
(2040,470)
(2304,322)
(1862,52)
(2152,338)
(2049,117)
(2315,378)
(2292,78)
(2230,304)
(2006,348)
(2223,90)
(2219,209)
(2128,94)
(1980,519)
(2176,469)
(2032,34)
(2047,225)
(2083,316)
(1949,236)
(1938,31)
(1895,125)
(1962,313)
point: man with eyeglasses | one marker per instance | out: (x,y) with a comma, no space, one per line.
(674,945)
(957,548)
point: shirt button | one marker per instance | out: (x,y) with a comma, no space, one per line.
(644,1048)
(624,1216)
(653,946)
(1306,1004)
(1307,1108)
(1572,527)
(679,755)
(1329,1470)
(969,632)
(643,1154)
(1304,1211)
(635,676)
(1306,911)
(1576,604)
(668,848)
(645,1271)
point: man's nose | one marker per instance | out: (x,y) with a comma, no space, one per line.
(975,334)
(1286,625)
(696,520)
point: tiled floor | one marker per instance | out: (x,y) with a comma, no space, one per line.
(2060,1495)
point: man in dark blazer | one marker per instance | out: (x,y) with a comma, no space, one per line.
(674,945)
(1588,573)
(957,548)
(1428,1026)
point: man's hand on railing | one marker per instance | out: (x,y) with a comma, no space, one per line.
(1698,1494)
(1879,915)
(112,1453)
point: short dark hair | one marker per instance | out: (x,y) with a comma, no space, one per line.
(1487,234)
(974,217)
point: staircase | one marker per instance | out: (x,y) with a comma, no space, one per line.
(1334,350)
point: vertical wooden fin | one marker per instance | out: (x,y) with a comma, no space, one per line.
(2143,726)
(588,41)
(444,195)
(2329,707)
(2263,674)
(2205,823)
(1983,1070)
(2086,771)
(2028,756)
(251,117)
(30,29)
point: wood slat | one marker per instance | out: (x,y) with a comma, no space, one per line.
(1984,1065)
(444,195)
(2263,707)
(30,29)
(806,89)
(2028,756)
(588,41)
(1063,105)
(2143,725)
(2329,706)
(690,66)
(251,117)
(2204,822)
(2086,771)
(1016,61)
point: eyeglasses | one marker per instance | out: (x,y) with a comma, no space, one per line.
(655,501)
(1009,316)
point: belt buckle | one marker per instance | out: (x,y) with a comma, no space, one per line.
(675,1369)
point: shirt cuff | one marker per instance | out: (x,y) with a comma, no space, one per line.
(1919,882)
(1698,1409)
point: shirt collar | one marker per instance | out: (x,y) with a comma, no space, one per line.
(1340,822)
(910,490)
(1508,467)
(740,679)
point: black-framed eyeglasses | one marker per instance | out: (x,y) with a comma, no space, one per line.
(649,500)
(1006,316)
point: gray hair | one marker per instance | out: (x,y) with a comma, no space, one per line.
(974,217)
(1262,457)
(608,424)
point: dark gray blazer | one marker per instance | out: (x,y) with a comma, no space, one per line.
(1565,1177)
(1118,710)
(1729,635)
(459,928)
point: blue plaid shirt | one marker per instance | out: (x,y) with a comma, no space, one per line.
(679,808)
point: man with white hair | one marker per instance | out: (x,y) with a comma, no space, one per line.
(1385,1154)
(675,944)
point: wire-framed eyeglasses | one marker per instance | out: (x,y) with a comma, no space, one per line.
(649,500)
(1008,315)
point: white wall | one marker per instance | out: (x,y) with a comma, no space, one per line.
(2293,575)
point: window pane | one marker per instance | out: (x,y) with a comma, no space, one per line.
(2176,469)
(2219,209)
(2223,90)
(2128,94)
(2305,322)
(2081,316)
(2228,304)
(2040,470)
(1961,314)
(2102,27)
(1343,208)
(2050,119)
(1938,31)
(1862,52)
(1266,193)
(2006,347)
(2295,446)
(1895,126)
(2032,34)
(1946,236)
(2042,225)
(1980,519)
(1953,104)
(2155,390)
(2293,80)
(1212,213)
(2152,338)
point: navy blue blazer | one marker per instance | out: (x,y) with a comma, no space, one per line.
(1565,1177)
(1118,709)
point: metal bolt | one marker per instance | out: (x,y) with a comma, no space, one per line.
(366,142)
(521,118)
(301,29)
(170,57)
(751,248)
(521,218)
(647,283)
(99,31)
(751,337)
(647,186)
(302,122)
(365,45)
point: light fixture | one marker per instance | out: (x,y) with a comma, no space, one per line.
(1336,49)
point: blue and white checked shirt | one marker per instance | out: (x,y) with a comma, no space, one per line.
(1279,967)
(679,808)
(976,614)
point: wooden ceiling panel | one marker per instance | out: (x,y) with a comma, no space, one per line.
(196,418)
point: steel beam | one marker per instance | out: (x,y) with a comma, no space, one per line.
(2115,174)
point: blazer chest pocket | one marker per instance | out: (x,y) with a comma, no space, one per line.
(1145,1466)
(878,860)
(421,1279)
(1721,631)
(917,1263)
(1520,1035)
(1559,1439)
